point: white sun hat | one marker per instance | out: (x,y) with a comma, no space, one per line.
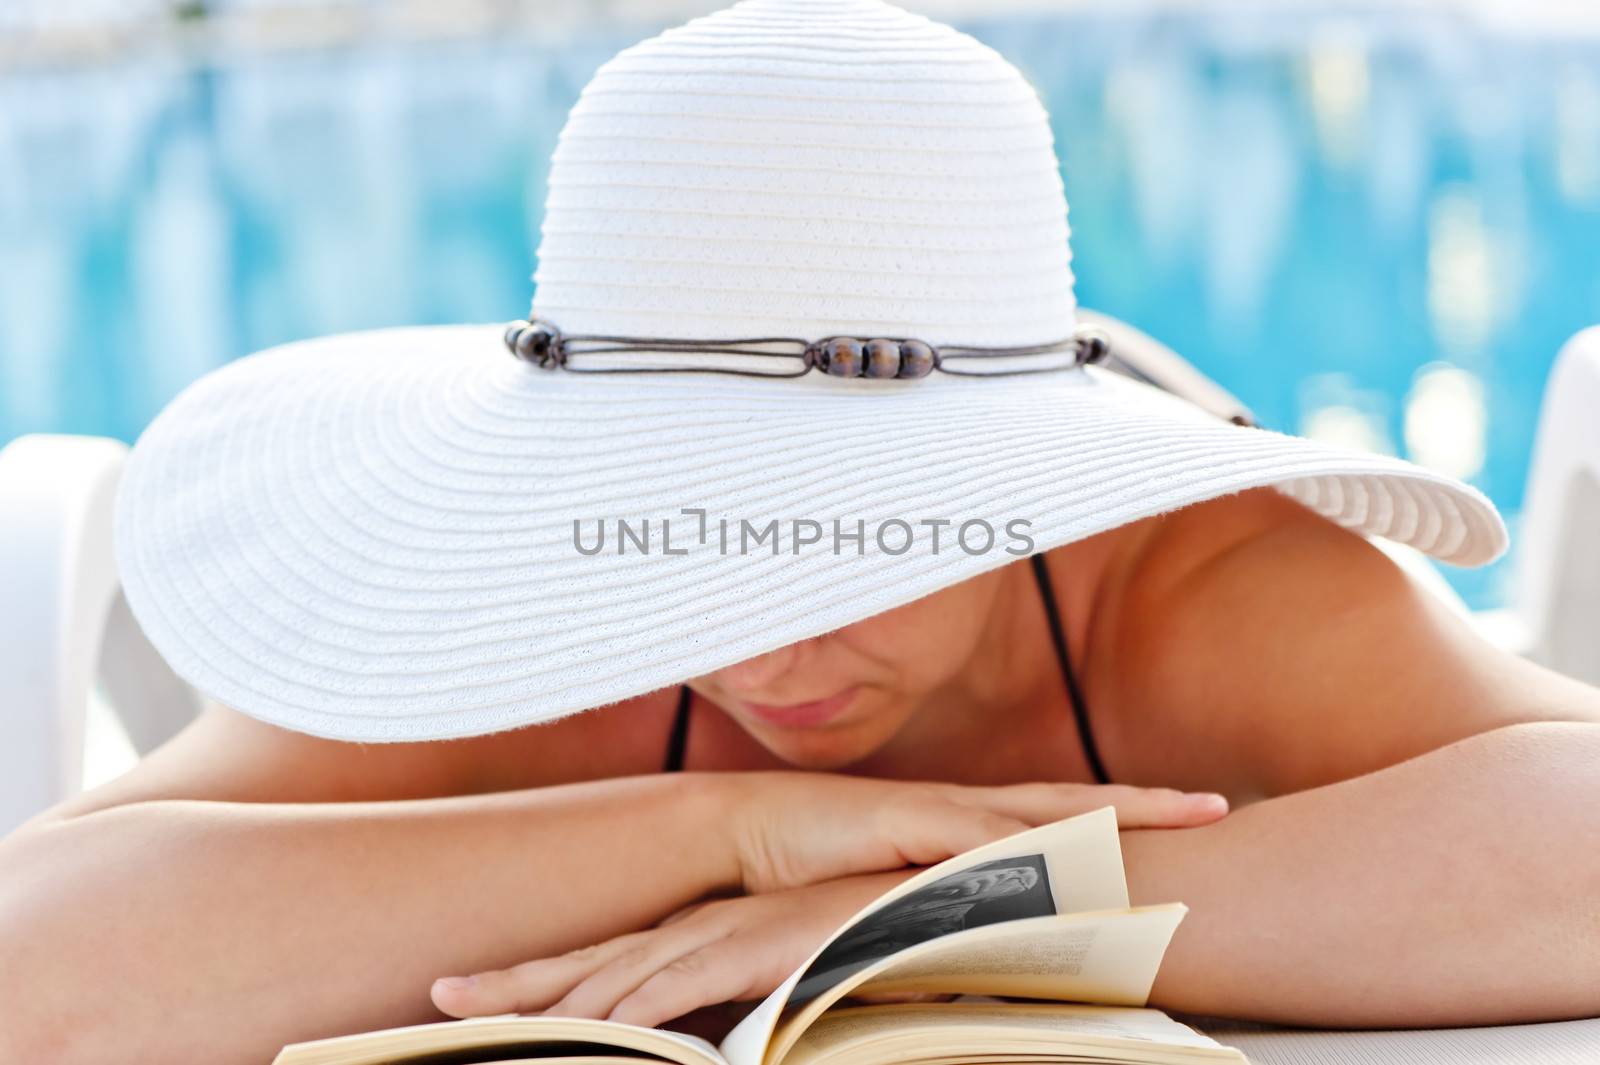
(391,535)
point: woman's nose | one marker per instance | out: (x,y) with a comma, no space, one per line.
(754,674)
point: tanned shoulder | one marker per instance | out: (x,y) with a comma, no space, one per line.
(1260,649)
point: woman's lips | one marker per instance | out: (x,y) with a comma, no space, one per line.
(813,714)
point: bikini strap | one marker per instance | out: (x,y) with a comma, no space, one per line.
(678,741)
(1080,708)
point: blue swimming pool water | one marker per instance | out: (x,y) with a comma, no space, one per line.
(1374,229)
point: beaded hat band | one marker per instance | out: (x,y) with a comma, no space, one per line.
(538,342)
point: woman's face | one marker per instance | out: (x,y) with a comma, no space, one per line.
(826,702)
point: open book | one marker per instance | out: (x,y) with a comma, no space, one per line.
(1038,924)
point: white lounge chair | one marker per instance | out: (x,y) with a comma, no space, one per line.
(65,633)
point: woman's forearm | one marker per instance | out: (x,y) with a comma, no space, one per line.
(1461,887)
(201,931)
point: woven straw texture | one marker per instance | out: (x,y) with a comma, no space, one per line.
(370,536)
(808,167)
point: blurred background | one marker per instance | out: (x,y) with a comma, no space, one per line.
(1375,223)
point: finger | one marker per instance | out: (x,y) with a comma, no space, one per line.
(719,972)
(598,993)
(528,987)
(1037,804)
(1168,808)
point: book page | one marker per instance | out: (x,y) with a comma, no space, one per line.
(1078,863)
(1110,957)
(866,1035)
(518,1036)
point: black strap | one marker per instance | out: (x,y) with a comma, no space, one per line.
(1080,708)
(678,742)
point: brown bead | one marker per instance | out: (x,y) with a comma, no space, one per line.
(916,359)
(533,344)
(841,357)
(883,358)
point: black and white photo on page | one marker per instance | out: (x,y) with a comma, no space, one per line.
(1006,889)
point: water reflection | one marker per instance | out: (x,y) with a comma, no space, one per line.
(1577,135)
(1446,421)
(1466,292)
(1335,410)
(1318,212)
(1339,84)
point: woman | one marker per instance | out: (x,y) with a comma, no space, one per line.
(839,231)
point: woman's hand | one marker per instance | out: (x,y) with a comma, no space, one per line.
(790,829)
(727,950)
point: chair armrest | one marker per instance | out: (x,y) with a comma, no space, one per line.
(59,576)
(65,624)
(1144,358)
(1558,577)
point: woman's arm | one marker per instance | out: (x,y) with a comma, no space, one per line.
(178,930)
(183,915)
(1460,887)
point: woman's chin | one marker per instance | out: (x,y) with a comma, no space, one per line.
(822,749)
(819,760)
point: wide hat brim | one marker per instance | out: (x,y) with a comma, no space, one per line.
(370,536)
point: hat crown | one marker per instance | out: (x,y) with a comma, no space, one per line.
(805,168)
